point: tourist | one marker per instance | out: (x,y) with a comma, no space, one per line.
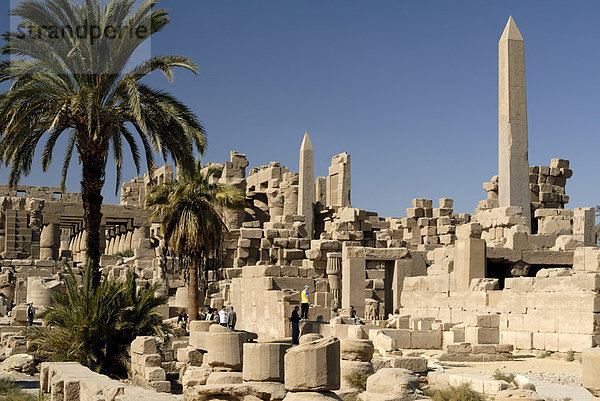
(182,319)
(208,314)
(215,316)
(304,298)
(223,316)
(353,316)
(30,314)
(202,314)
(231,319)
(295,319)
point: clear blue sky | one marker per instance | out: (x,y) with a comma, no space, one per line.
(408,88)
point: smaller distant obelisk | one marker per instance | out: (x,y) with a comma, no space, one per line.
(306,185)
(513,160)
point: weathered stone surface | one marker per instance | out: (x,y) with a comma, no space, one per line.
(18,363)
(144,345)
(310,337)
(590,359)
(412,363)
(311,396)
(350,367)
(225,349)
(356,350)
(390,383)
(521,395)
(195,376)
(225,378)
(264,361)
(314,366)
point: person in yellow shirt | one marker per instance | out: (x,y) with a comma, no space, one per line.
(304,303)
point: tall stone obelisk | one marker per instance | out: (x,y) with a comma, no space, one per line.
(513,161)
(306,185)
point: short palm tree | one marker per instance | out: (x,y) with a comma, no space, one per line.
(63,82)
(95,325)
(190,209)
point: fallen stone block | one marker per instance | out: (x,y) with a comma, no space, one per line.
(314,366)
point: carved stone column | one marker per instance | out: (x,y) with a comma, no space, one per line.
(334,272)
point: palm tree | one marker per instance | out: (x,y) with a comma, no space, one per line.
(94,325)
(190,210)
(68,73)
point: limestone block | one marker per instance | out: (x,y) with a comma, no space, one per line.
(482,335)
(349,367)
(154,373)
(311,396)
(264,361)
(520,394)
(426,339)
(446,203)
(19,314)
(225,349)
(385,343)
(356,331)
(251,233)
(390,382)
(309,338)
(195,376)
(412,363)
(225,378)
(460,348)
(151,360)
(590,359)
(144,345)
(18,363)
(356,350)
(469,230)
(314,366)
(190,356)
(469,261)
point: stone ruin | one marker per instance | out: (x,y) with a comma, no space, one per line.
(520,273)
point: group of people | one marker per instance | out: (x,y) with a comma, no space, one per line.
(295,318)
(224,317)
(301,313)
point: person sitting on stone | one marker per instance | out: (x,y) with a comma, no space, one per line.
(353,316)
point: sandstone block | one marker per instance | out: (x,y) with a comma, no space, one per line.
(414,364)
(349,367)
(264,361)
(195,376)
(154,373)
(314,366)
(391,382)
(311,396)
(590,359)
(426,339)
(190,356)
(144,345)
(356,349)
(225,378)
(225,349)
(310,337)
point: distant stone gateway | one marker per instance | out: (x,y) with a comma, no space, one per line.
(522,272)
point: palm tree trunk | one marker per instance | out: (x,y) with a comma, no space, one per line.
(193,306)
(91,194)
